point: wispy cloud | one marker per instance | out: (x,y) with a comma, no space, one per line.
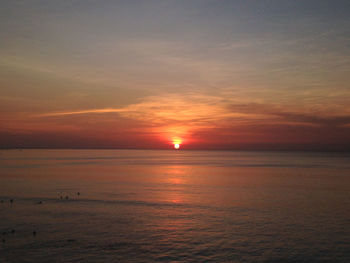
(174,115)
(66,113)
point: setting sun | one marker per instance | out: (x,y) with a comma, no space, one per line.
(177,142)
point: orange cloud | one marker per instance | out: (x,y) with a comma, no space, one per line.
(185,117)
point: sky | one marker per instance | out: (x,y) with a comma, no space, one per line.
(208,74)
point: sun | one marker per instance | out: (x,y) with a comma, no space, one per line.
(177,142)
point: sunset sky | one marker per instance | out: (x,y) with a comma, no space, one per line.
(209,74)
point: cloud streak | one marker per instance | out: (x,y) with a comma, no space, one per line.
(79,112)
(182,116)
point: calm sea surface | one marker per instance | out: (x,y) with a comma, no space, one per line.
(174,206)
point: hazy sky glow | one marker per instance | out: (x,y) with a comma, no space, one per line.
(143,74)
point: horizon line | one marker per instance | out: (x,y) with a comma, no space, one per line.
(171,149)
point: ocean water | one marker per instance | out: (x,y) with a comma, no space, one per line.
(174,206)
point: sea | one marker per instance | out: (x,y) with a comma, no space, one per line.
(174,206)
